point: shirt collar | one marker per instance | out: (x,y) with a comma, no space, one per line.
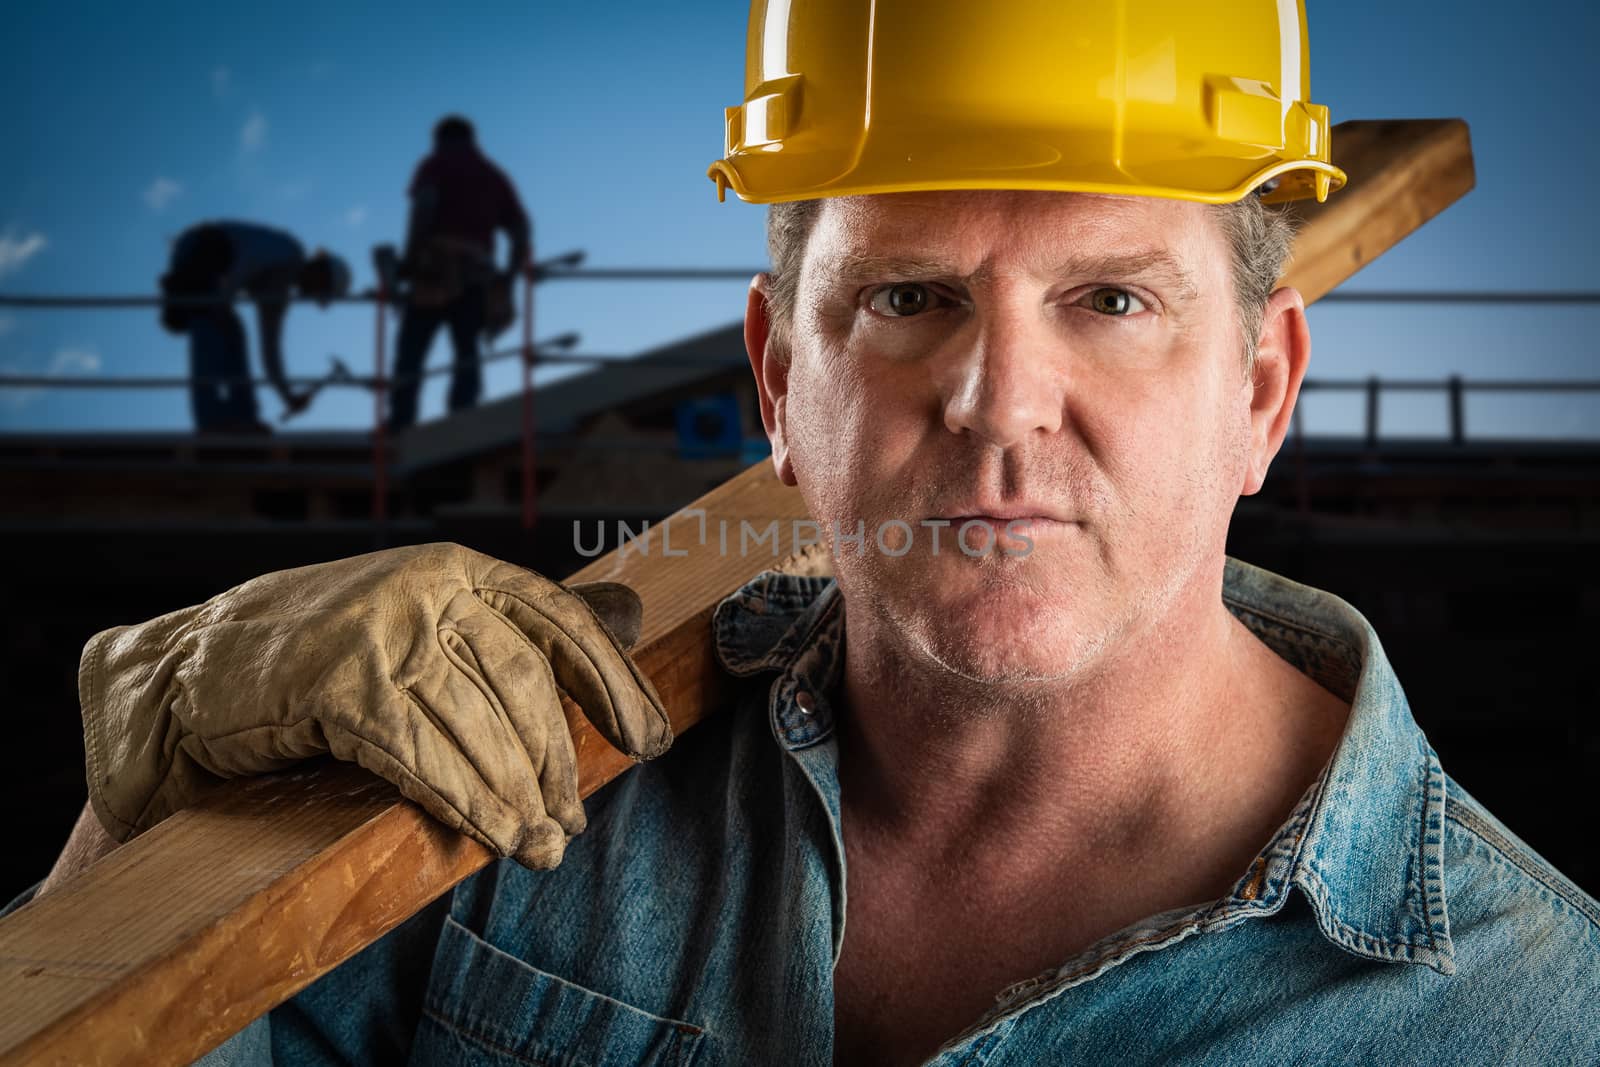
(794,625)
(1365,843)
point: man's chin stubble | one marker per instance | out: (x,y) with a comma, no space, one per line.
(964,688)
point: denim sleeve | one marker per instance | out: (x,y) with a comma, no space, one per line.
(250,1047)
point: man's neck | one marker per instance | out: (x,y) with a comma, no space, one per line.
(1184,744)
(989,840)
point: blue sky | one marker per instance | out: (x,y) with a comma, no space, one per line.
(125,125)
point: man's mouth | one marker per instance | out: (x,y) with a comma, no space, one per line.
(1007,525)
(1001,516)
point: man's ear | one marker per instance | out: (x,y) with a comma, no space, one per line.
(772,374)
(1282,355)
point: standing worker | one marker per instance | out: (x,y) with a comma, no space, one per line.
(216,260)
(459,198)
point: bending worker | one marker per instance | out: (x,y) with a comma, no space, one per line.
(215,261)
(459,200)
(1083,789)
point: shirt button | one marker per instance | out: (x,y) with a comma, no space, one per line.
(804,699)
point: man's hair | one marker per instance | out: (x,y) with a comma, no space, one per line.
(1258,238)
(454,129)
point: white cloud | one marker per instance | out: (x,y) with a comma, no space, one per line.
(221,81)
(74,360)
(162,192)
(356,216)
(16,250)
(253,135)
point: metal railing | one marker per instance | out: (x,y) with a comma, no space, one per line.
(565,267)
(1454,387)
(701,274)
(554,352)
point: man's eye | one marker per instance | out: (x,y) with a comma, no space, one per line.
(902,300)
(1110,301)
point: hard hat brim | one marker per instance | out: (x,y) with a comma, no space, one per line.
(1297,180)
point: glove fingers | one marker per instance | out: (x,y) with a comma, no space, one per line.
(586,658)
(615,605)
(542,848)
(526,690)
(450,730)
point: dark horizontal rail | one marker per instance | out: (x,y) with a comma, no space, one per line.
(686,274)
(362,381)
(1459,297)
(1454,387)
(1321,385)
(1486,385)
(369,296)
(35,300)
(653,274)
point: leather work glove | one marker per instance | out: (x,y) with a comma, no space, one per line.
(435,667)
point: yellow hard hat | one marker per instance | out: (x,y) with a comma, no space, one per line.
(1174,98)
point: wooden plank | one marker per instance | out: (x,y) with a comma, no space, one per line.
(1389,196)
(287,874)
(172,943)
(179,938)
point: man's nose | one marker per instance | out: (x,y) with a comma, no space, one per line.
(1008,383)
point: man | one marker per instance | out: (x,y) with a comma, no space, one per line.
(215,261)
(459,200)
(1076,788)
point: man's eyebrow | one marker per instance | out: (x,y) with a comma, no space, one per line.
(1154,262)
(860,265)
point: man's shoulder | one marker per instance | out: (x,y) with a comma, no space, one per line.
(423,171)
(1491,864)
(1526,940)
(258,249)
(708,765)
(1515,920)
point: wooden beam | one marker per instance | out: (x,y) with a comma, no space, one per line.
(175,941)
(1390,195)
(172,943)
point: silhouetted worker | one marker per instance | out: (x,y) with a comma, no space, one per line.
(458,200)
(218,260)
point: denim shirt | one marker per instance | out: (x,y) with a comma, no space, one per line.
(1391,918)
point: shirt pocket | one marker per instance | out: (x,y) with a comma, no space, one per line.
(487,1008)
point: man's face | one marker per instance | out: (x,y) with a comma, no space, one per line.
(1072,362)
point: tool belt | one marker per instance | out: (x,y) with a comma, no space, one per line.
(443,269)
